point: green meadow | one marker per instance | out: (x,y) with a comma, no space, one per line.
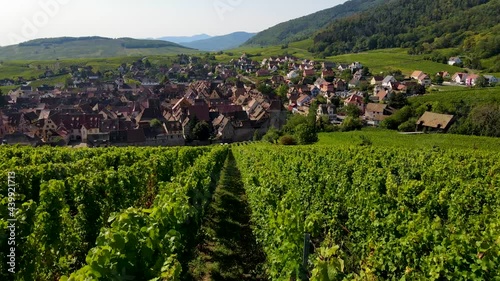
(386,138)
(471,96)
(391,59)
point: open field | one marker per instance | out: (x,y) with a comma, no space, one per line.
(385,138)
(297,49)
(391,59)
(63,48)
(377,60)
(471,96)
(32,69)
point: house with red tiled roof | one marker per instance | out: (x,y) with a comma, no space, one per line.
(416,74)
(262,72)
(303,99)
(309,72)
(327,87)
(471,79)
(382,94)
(424,80)
(444,74)
(327,73)
(340,85)
(459,78)
(355,100)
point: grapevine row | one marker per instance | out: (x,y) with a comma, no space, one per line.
(146,243)
(63,205)
(375,213)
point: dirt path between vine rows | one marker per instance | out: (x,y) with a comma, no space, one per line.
(227,249)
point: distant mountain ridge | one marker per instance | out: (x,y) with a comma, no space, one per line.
(88,47)
(220,43)
(185,39)
(304,27)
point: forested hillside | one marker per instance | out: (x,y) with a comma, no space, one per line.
(423,25)
(304,27)
(88,47)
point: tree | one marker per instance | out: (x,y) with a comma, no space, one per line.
(329,79)
(294,121)
(201,131)
(473,62)
(365,71)
(408,126)
(438,80)
(335,100)
(346,75)
(481,82)
(296,80)
(265,89)
(163,79)
(351,123)
(485,120)
(398,118)
(352,110)
(306,134)
(287,140)
(416,89)
(271,136)
(282,91)
(397,100)
(257,136)
(155,123)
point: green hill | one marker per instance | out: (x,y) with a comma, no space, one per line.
(473,26)
(219,43)
(304,27)
(88,47)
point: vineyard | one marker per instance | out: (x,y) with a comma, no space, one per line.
(372,213)
(105,214)
(375,214)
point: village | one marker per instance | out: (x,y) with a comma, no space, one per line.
(193,102)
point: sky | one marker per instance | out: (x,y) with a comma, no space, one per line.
(24,20)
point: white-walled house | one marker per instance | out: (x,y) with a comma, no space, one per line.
(454,60)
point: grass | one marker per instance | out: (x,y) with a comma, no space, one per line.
(227,249)
(448,88)
(30,69)
(391,59)
(90,48)
(297,49)
(6,89)
(392,139)
(470,96)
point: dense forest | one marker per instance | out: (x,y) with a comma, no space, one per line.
(304,27)
(422,25)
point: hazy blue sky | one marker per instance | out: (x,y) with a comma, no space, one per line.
(23,20)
